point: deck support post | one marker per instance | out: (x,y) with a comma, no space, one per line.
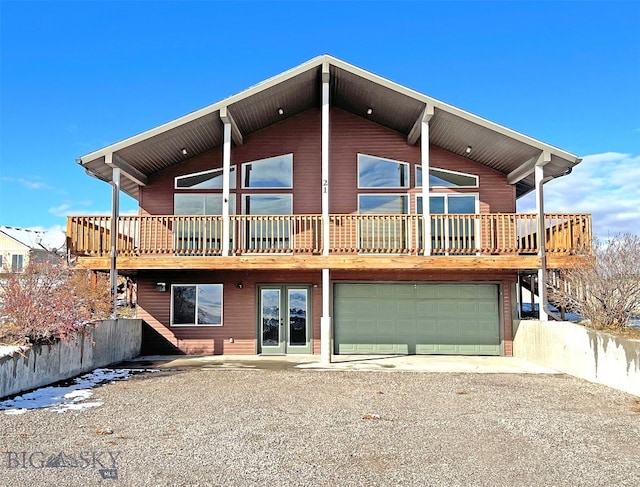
(115,213)
(544,159)
(424,160)
(226,170)
(325,158)
(325,319)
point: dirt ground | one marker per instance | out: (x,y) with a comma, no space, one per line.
(235,426)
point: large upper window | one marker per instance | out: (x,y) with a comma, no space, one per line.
(205,180)
(274,172)
(266,204)
(382,233)
(375,172)
(383,204)
(196,304)
(201,204)
(443,178)
(267,233)
(451,234)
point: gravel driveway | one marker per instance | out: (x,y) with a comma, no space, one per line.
(301,427)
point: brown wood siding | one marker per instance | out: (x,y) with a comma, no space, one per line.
(239,310)
(505,279)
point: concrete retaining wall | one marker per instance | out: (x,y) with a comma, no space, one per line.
(114,341)
(582,352)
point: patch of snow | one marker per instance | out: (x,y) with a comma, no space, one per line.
(6,350)
(71,397)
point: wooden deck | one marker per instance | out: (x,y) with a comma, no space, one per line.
(485,241)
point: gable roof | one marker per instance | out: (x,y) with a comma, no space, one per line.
(352,89)
(36,239)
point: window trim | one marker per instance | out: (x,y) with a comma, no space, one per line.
(243,164)
(172,324)
(458,173)
(232,180)
(406,164)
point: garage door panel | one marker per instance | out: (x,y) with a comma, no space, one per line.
(417,318)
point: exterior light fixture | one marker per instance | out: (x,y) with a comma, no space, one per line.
(239,285)
(369,111)
(468,149)
(184,151)
(280,111)
(161,286)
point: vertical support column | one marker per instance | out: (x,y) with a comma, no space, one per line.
(325,319)
(115,214)
(226,171)
(544,158)
(424,160)
(325,158)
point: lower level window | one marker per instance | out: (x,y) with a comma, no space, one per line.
(196,304)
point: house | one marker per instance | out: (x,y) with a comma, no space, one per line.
(290,218)
(19,246)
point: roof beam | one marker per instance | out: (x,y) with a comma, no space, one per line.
(416,130)
(521,172)
(236,135)
(114,160)
(528,167)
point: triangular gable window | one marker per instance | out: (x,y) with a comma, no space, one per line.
(205,180)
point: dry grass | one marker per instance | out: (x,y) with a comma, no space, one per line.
(626,332)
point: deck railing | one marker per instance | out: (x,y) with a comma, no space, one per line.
(198,235)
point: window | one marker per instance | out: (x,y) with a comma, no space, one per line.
(196,304)
(271,173)
(375,172)
(383,204)
(266,204)
(201,204)
(448,234)
(17,263)
(267,233)
(443,178)
(383,234)
(198,236)
(205,180)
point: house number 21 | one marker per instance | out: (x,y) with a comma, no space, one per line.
(325,185)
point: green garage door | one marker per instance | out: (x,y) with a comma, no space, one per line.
(456,319)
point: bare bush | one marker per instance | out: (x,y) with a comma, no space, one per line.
(607,291)
(49,301)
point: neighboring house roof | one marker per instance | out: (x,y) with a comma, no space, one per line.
(52,241)
(351,89)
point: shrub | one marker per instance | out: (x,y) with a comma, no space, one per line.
(607,291)
(47,302)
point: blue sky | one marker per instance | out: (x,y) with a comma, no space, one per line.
(76,76)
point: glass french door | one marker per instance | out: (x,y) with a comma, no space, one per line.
(284,319)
